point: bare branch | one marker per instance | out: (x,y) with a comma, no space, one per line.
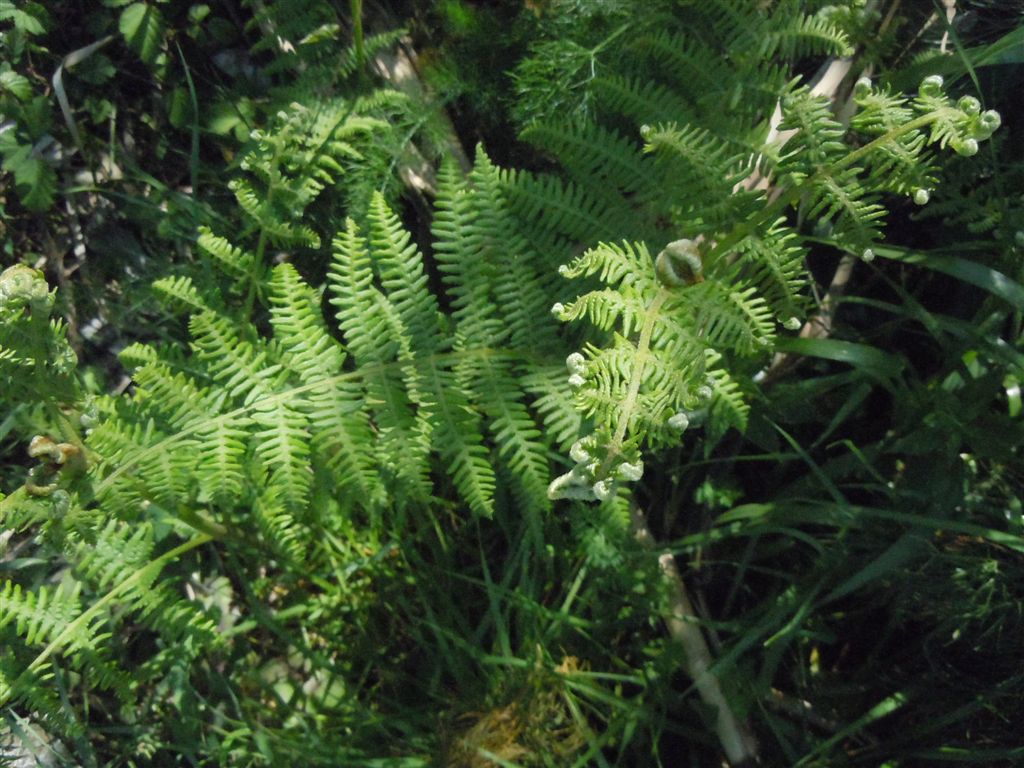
(681,620)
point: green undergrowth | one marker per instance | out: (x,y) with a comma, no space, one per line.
(326,445)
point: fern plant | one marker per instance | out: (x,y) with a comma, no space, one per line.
(117,487)
(677,317)
(736,198)
(426,383)
(689,324)
(287,442)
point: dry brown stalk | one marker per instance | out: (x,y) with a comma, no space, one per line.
(681,620)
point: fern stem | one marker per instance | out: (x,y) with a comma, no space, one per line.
(610,39)
(643,348)
(254,275)
(150,570)
(197,519)
(885,138)
(356,7)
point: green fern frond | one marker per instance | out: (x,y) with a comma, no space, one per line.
(510,265)
(666,318)
(337,419)
(686,59)
(456,435)
(901,166)
(232,260)
(729,406)
(855,216)
(36,361)
(278,526)
(495,385)
(176,358)
(700,157)
(624,266)
(605,308)
(175,398)
(220,459)
(165,476)
(642,100)
(773,262)
(701,174)
(307,348)
(373,326)
(818,141)
(362,312)
(181,295)
(554,402)
(280,232)
(381,101)
(550,211)
(240,366)
(340,433)
(137,355)
(734,320)
(121,432)
(449,419)
(177,620)
(116,548)
(40,617)
(598,158)
(467,279)
(119,562)
(794,35)
(34,690)
(336,411)
(372,45)
(719,91)
(281,445)
(403,277)
(753,33)
(612,397)
(128,432)
(833,195)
